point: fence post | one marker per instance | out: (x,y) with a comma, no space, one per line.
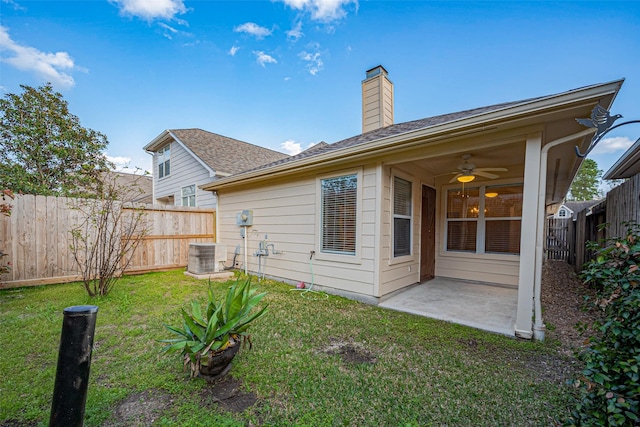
(74,360)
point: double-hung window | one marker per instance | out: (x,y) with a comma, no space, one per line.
(164,161)
(189,195)
(339,207)
(484,219)
(402,215)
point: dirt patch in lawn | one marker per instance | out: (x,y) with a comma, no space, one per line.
(350,352)
(227,393)
(140,409)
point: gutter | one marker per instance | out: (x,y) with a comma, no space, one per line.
(454,128)
(539,328)
(626,161)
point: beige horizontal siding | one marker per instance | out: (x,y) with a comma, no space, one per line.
(287,213)
(396,275)
(480,270)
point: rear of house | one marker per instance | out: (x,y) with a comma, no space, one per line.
(384,210)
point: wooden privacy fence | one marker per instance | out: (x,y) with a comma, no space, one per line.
(36,238)
(560,239)
(621,206)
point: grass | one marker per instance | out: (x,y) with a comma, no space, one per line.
(417,371)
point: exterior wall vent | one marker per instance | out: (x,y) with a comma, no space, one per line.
(377,100)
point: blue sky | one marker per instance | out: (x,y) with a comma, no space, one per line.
(286,74)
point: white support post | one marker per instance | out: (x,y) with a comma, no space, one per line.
(523,326)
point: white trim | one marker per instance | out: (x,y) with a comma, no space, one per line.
(195,194)
(410,179)
(157,155)
(451,129)
(481,221)
(212,173)
(344,258)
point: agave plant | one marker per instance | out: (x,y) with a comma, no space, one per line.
(207,332)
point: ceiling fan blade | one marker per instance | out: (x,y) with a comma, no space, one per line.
(492,169)
(455,178)
(486,174)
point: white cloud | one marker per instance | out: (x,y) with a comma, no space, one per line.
(119,161)
(313,59)
(52,67)
(291,147)
(613,145)
(253,29)
(169,30)
(295,33)
(151,9)
(323,10)
(14,5)
(264,58)
(234,50)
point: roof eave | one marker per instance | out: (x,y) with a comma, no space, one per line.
(623,167)
(450,129)
(157,142)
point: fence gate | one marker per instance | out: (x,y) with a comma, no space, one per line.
(560,239)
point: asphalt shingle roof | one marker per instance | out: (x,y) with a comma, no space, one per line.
(579,206)
(392,130)
(224,154)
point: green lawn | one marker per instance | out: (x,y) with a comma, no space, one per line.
(314,362)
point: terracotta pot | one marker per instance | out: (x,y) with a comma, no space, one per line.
(217,363)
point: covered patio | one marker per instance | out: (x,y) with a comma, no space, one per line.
(486,306)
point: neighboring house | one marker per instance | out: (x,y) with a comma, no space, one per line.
(572,209)
(137,188)
(623,201)
(185,159)
(381,211)
(627,166)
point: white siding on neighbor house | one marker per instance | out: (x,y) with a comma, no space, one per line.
(185,170)
(287,212)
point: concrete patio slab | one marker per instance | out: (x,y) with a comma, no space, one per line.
(480,305)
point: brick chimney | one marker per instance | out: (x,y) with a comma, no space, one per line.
(377,100)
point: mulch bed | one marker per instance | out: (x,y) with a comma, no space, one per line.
(564,306)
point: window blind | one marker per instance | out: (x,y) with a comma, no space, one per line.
(401,217)
(339,209)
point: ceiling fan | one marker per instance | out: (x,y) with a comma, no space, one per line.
(467,172)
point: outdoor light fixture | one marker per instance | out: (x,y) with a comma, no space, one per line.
(466,178)
(491,195)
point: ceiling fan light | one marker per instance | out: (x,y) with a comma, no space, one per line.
(466,178)
(491,194)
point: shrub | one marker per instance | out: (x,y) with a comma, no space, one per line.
(609,387)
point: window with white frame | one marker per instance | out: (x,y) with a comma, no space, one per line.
(164,161)
(485,219)
(562,213)
(402,217)
(339,206)
(189,195)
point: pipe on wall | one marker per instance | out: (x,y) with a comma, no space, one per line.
(539,328)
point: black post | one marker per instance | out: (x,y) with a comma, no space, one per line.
(74,360)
